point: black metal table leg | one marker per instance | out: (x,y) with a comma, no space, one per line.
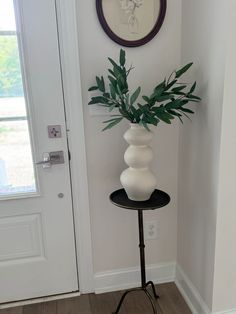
(142,248)
(143,271)
(154,308)
(123,298)
(150,283)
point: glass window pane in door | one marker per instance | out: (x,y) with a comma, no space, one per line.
(7,16)
(16,171)
(16,166)
(12,101)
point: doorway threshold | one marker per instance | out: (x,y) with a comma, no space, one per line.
(40,299)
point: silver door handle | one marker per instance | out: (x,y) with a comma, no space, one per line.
(52,158)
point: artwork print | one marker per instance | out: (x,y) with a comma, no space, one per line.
(131,19)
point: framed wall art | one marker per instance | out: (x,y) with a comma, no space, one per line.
(131,23)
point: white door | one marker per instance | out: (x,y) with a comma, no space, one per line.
(37,245)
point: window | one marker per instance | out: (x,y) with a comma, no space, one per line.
(16,165)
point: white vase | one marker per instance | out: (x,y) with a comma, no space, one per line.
(138,181)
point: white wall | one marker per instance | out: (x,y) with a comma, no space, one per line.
(114,231)
(203,43)
(225,265)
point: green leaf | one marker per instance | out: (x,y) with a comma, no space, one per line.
(146,99)
(117,70)
(164,116)
(135,95)
(110,71)
(170,84)
(121,83)
(144,124)
(93,88)
(143,108)
(152,120)
(119,77)
(122,57)
(98,81)
(100,84)
(127,101)
(173,104)
(120,92)
(159,89)
(113,91)
(193,97)
(180,93)
(115,65)
(185,114)
(183,70)
(112,80)
(174,113)
(117,73)
(112,107)
(161,85)
(125,114)
(184,102)
(164,97)
(106,95)
(98,100)
(113,123)
(178,89)
(110,120)
(186,110)
(136,113)
(193,88)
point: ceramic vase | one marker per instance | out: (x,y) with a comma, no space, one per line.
(138,180)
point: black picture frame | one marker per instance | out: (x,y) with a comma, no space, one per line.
(132,43)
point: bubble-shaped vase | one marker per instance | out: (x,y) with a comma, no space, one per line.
(138,180)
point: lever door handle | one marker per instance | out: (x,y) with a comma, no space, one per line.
(46,162)
(43,162)
(52,158)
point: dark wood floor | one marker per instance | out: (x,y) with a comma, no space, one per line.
(170,302)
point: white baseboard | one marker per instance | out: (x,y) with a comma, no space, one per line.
(227,312)
(126,278)
(192,296)
(190,293)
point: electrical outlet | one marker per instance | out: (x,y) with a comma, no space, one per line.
(150,230)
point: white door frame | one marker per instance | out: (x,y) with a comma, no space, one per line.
(69,49)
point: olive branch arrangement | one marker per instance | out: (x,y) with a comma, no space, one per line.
(167,101)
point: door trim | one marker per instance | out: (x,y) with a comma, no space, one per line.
(69,50)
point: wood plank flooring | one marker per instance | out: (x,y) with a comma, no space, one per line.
(170,302)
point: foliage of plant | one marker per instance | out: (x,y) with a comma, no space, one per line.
(167,101)
(10,71)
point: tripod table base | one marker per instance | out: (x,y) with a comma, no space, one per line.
(148,294)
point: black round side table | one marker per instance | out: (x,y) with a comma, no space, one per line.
(158,199)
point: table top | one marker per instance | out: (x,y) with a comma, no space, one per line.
(158,199)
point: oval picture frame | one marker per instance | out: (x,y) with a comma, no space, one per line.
(131,21)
